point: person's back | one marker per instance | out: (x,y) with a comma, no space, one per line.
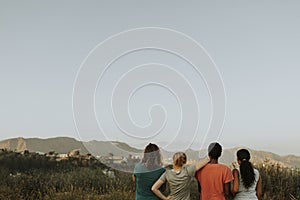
(180,181)
(144,180)
(212,178)
(247,184)
(247,193)
(147,172)
(179,178)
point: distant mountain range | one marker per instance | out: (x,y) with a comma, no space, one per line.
(103,148)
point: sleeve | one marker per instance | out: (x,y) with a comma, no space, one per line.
(228,177)
(256,172)
(191,170)
(135,170)
(163,177)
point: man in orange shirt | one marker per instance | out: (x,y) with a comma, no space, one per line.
(214,178)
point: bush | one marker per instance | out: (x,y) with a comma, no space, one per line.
(38,177)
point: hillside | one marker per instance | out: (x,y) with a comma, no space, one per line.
(66,144)
(58,144)
(103,148)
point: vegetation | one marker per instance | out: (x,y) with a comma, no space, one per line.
(33,176)
(280,183)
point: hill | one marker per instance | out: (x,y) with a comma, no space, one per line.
(58,144)
(103,148)
(66,144)
(113,147)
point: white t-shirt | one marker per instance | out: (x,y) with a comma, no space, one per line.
(244,193)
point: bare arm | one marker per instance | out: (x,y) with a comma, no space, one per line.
(235,187)
(202,163)
(156,191)
(134,181)
(259,188)
(227,193)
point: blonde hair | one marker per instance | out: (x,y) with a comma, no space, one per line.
(179,159)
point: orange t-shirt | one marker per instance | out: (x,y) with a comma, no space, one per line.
(212,178)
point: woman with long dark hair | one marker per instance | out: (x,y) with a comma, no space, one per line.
(247,184)
(147,172)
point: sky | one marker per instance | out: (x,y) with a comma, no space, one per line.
(255,46)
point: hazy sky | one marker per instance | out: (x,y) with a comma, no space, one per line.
(255,45)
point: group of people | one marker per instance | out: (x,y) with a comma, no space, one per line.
(215,181)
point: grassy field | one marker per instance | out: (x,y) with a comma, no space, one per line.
(34,176)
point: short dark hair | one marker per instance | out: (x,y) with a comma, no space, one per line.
(214,150)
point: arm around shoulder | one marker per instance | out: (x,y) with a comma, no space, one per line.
(202,163)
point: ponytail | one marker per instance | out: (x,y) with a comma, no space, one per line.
(179,159)
(246,168)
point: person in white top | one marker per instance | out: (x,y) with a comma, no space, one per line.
(247,183)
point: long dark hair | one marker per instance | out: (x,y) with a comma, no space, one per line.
(152,157)
(246,168)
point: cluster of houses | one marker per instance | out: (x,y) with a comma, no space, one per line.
(75,154)
(116,159)
(107,159)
